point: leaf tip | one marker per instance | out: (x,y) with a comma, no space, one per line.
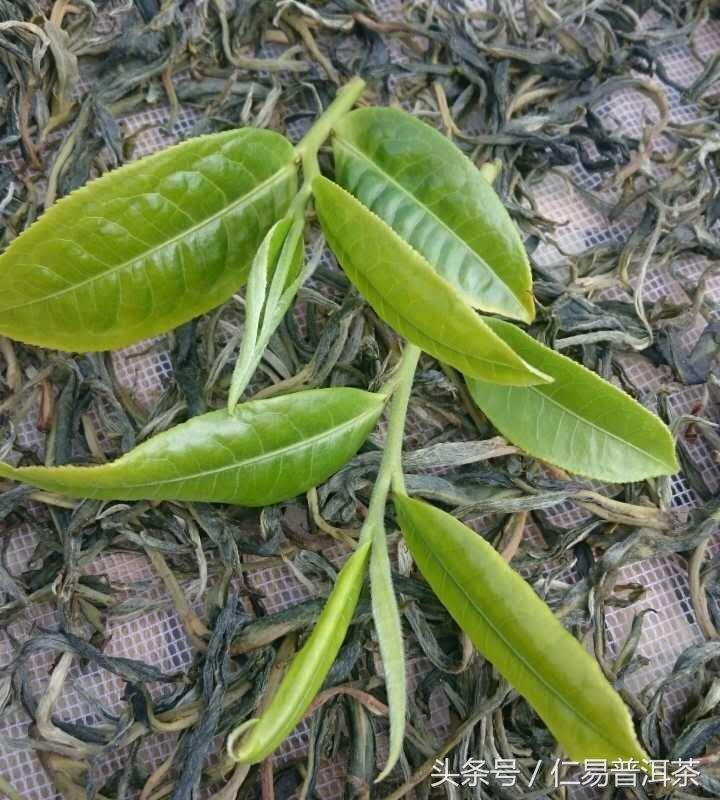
(527,302)
(540,376)
(237,750)
(387,769)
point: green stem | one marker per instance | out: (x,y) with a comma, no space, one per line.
(308,147)
(390,472)
(252,348)
(343,102)
(386,613)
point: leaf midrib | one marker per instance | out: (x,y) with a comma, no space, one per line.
(390,179)
(197,475)
(594,426)
(244,199)
(523,660)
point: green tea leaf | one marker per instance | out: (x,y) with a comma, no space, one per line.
(409,295)
(268,451)
(512,627)
(434,198)
(308,670)
(275,277)
(579,422)
(148,246)
(388,625)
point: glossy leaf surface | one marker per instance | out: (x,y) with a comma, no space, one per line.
(148,246)
(516,631)
(268,451)
(409,295)
(434,197)
(579,422)
(308,669)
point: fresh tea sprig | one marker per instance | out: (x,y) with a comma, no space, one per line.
(422,235)
(276,273)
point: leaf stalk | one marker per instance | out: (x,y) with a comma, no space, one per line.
(390,473)
(308,147)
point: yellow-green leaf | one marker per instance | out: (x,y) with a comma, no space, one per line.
(579,421)
(388,625)
(274,279)
(148,246)
(409,295)
(516,631)
(434,198)
(265,452)
(255,740)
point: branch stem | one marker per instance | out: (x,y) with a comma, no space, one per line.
(307,148)
(391,473)
(343,102)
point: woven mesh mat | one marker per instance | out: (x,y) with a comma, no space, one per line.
(145,369)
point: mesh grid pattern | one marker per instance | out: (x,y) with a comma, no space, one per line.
(157,636)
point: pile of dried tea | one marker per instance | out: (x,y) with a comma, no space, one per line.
(430,408)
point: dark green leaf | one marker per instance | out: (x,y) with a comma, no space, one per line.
(409,295)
